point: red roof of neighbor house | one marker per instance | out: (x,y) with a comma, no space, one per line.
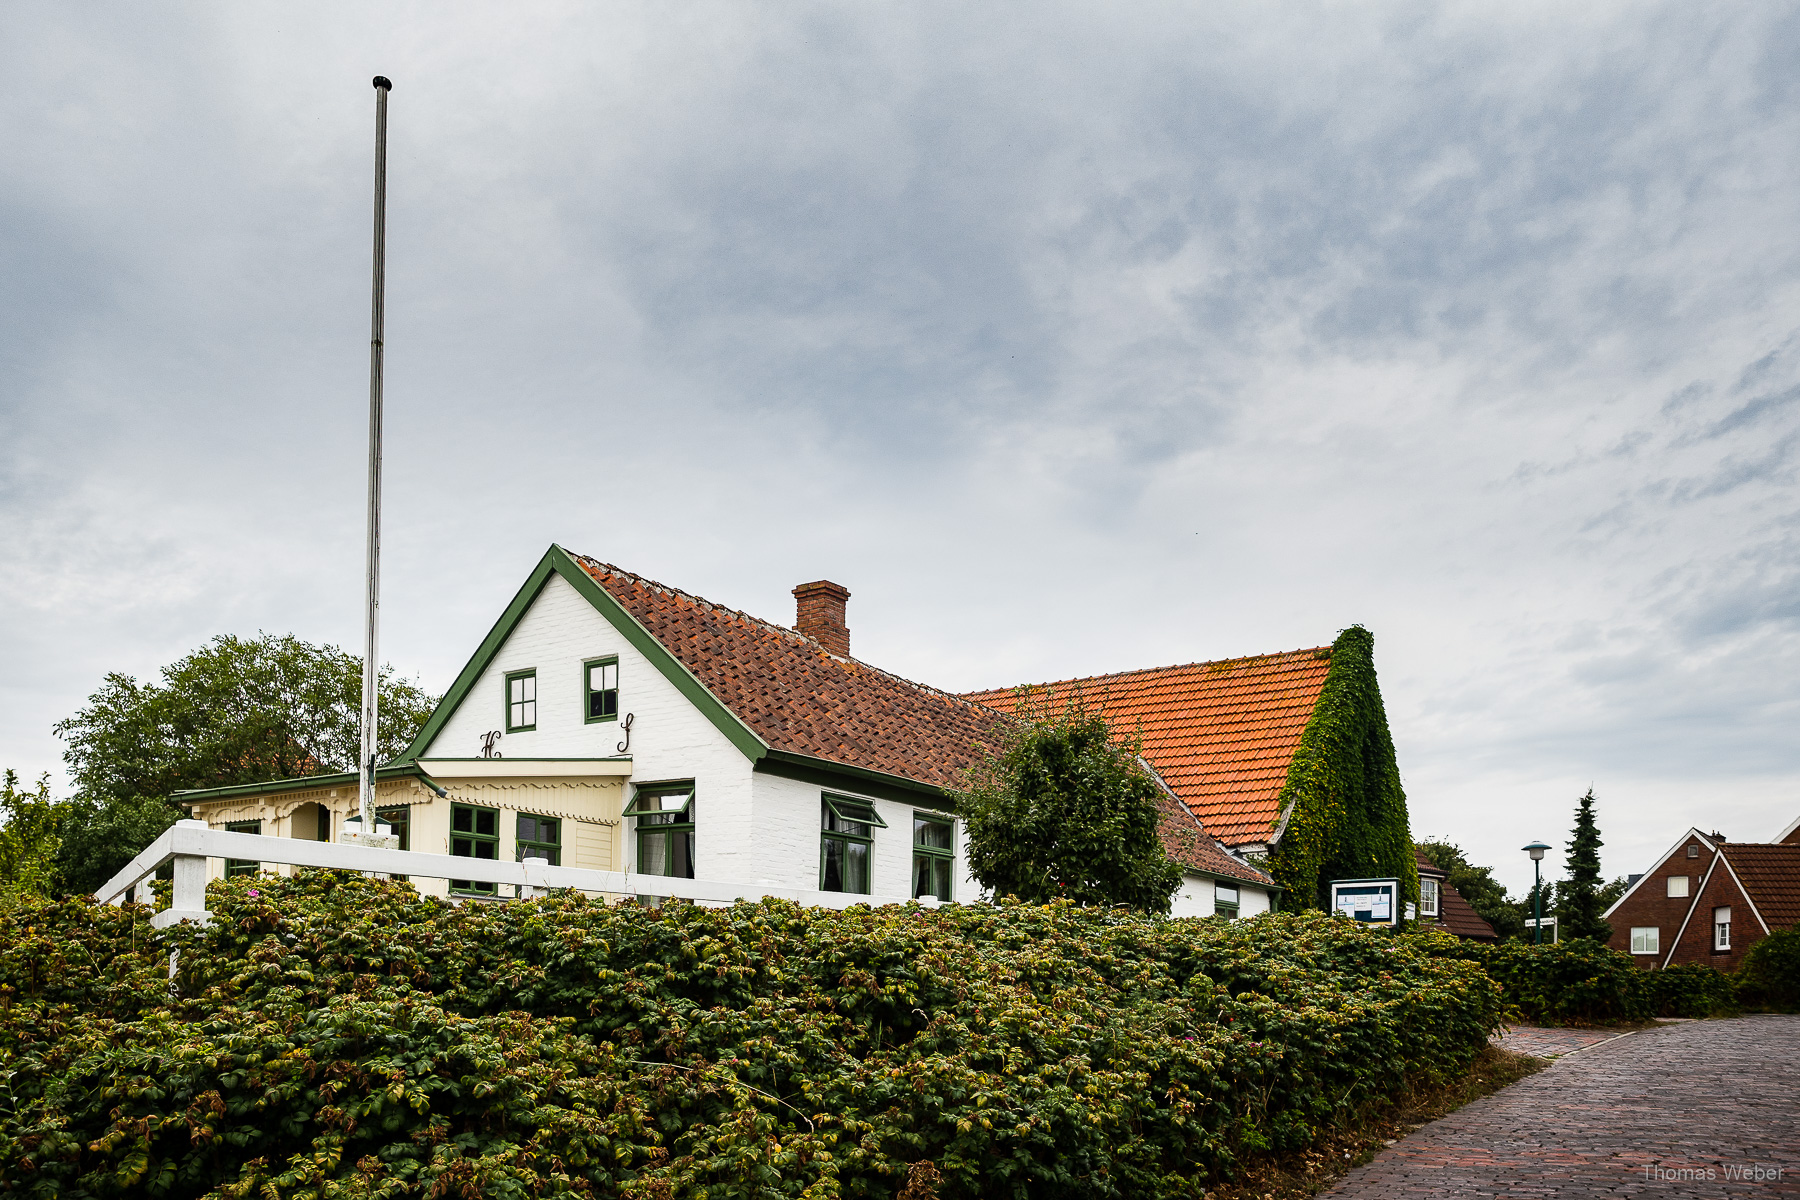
(1220,733)
(1770,873)
(800,698)
(1455,914)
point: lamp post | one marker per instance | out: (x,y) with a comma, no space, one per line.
(1536,850)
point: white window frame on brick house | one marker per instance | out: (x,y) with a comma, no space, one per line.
(1678,887)
(1646,939)
(1722,927)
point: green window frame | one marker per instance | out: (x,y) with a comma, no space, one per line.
(665,828)
(539,837)
(242,866)
(600,689)
(847,843)
(521,700)
(1225,900)
(934,855)
(474,833)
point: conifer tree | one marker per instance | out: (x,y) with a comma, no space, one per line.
(1578,905)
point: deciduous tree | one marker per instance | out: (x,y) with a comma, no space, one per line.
(237,710)
(1065,810)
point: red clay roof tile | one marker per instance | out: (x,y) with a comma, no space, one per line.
(1221,734)
(1770,873)
(800,698)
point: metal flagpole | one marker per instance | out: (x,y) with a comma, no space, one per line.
(372,614)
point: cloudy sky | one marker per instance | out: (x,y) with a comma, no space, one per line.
(1069,338)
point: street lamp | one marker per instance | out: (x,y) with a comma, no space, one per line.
(1536,850)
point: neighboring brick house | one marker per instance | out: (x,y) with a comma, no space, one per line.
(611,722)
(1708,900)
(1443,906)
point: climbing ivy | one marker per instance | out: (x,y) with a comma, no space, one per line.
(1344,806)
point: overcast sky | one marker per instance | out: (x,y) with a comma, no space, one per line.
(1070,339)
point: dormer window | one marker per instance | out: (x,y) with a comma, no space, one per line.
(1428,897)
(602,690)
(521,701)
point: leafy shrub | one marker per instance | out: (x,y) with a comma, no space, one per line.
(1575,981)
(1689,990)
(1770,976)
(342,1037)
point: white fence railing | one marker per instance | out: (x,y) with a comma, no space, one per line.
(188,844)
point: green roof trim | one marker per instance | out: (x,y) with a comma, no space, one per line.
(300,783)
(557,561)
(826,773)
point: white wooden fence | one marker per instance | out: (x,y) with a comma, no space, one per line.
(188,844)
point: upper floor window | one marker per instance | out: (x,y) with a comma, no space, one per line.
(1428,897)
(521,701)
(1722,927)
(1678,885)
(846,843)
(934,854)
(1693,850)
(603,690)
(665,829)
(1645,939)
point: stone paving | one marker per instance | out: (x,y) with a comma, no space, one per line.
(1702,1109)
(1551,1043)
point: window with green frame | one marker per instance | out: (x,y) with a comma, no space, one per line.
(242,866)
(540,837)
(934,855)
(1225,900)
(602,684)
(474,833)
(846,843)
(521,701)
(665,829)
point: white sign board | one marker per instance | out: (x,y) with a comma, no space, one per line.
(1370,900)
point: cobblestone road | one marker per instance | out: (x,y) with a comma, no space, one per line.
(1552,1043)
(1683,1110)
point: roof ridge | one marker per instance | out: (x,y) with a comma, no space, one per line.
(784,630)
(1215,663)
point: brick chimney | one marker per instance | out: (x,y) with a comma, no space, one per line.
(819,614)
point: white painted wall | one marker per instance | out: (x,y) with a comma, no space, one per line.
(1197,898)
(1194,899)
(670,738)
(787,820)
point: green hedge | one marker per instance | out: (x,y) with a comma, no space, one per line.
(340,1037)
(1581,981)
(1770,976)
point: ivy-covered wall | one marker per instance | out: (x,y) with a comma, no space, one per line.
(1346,810)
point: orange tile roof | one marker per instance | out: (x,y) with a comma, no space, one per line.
(1770,873)
(1221,734)
(800,698)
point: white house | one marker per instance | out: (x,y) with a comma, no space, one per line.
(611,722)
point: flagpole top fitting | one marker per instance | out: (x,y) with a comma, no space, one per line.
(384,83)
